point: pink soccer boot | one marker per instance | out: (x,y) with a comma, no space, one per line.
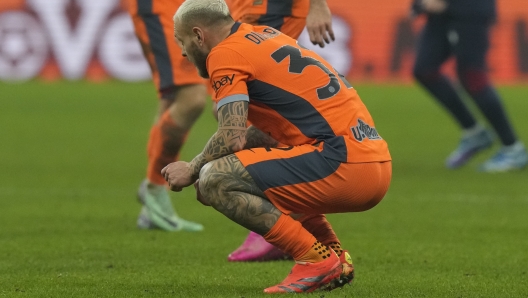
(256,249)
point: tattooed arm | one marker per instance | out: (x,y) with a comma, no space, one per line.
(228,139)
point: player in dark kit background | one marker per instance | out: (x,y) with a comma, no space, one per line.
(460,28)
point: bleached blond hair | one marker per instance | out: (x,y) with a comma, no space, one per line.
(203,12)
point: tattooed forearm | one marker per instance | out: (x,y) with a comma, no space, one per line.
(229,138)
(257,138)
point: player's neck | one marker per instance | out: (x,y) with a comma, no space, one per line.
(220,33)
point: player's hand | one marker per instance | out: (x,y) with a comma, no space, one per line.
(319,23)
(434,6)
(199,196)
(178,175)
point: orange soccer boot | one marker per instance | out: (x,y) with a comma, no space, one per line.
(308,277)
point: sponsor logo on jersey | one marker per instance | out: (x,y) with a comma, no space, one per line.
(221,82)
(362,130)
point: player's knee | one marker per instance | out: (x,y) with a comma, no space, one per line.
(474,80)
(195,97)
(205,178)
(188,105)
(212,177)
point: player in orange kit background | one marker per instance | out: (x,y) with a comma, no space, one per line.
(335,160)
(288,16)
(182,95)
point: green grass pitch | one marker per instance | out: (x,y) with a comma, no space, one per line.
(73,154)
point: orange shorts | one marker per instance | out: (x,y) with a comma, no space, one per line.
(291,26)
(301,180)
(155,30)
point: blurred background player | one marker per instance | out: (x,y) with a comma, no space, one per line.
(290,17)
(336,161)
(182,97)
(461,28)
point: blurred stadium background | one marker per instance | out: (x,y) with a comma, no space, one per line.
(94,40)
(76,105)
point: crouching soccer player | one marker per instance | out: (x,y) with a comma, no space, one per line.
(335,160)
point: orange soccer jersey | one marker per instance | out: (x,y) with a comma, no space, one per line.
(337,161)
(286,85)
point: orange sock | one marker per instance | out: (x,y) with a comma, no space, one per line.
(164,144)
(336,246)
(318,225)
(289,235)
(317,253)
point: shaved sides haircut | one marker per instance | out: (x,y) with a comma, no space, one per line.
(202,12)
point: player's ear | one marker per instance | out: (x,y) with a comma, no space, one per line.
(198,34)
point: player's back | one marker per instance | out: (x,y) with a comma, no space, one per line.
(295,95)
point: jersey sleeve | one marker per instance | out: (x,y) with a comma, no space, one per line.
(229,72)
